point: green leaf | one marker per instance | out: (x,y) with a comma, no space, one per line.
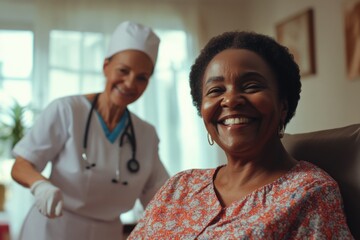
(15,129)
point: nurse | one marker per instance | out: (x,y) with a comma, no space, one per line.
(103,157)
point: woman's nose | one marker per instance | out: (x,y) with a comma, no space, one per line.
(232,99)
(130,82)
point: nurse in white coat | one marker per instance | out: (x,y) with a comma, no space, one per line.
(103,157)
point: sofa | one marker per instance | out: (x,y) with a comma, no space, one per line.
(337,151)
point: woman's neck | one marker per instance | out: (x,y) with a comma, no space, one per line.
(110,113)
(243,176)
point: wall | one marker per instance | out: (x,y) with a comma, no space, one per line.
(15,12)
(328,99)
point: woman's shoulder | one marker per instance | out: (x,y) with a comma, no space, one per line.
(308,176)
(143,127)
(312,171)
(73,101)
(64,108)
(139,121)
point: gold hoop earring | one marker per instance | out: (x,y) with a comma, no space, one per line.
(281,131)
(210,140)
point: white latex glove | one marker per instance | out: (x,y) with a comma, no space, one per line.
(48,198)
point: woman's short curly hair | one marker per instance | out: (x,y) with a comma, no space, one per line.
(277,57)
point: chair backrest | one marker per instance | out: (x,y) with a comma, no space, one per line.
(2,197)
(337,151)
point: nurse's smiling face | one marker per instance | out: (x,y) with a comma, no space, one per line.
(127,74)
(240,105)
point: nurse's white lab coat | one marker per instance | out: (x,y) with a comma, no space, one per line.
(92,203)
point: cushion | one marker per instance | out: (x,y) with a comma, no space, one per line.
(337,152)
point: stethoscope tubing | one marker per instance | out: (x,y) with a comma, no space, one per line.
(132,165)
(87,126)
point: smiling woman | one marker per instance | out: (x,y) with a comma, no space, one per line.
(94,160)
(246,87)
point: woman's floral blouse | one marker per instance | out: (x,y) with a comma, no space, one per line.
(305,203)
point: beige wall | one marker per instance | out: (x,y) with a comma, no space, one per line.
(328,98)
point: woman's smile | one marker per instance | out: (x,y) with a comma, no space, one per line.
(236,121)
(125,93)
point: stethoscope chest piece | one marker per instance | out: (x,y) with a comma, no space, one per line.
(133,165)
(88,165)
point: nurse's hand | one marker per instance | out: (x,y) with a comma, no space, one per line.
(48,198)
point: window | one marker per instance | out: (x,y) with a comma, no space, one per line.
(76,60)
(16,64)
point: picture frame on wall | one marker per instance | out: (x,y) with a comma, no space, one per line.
(352,38)
(297,34)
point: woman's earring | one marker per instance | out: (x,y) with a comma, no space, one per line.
(210,140)
(281,131)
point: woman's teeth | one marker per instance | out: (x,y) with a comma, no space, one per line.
(232,121)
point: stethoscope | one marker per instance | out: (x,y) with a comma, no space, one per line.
(132,165)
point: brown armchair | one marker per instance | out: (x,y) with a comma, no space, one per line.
(337,151)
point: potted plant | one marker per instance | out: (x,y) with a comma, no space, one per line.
(12,129)
(13,124)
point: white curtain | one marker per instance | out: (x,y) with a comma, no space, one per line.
(166,103)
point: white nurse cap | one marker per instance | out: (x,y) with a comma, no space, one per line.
(129,35)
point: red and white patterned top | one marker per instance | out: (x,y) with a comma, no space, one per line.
(305,203)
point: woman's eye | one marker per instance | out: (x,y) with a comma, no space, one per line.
(123,71)
(142,78)
(252,87)
(213,91)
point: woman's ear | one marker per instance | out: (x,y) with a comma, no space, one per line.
(284,110)
(106,62)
